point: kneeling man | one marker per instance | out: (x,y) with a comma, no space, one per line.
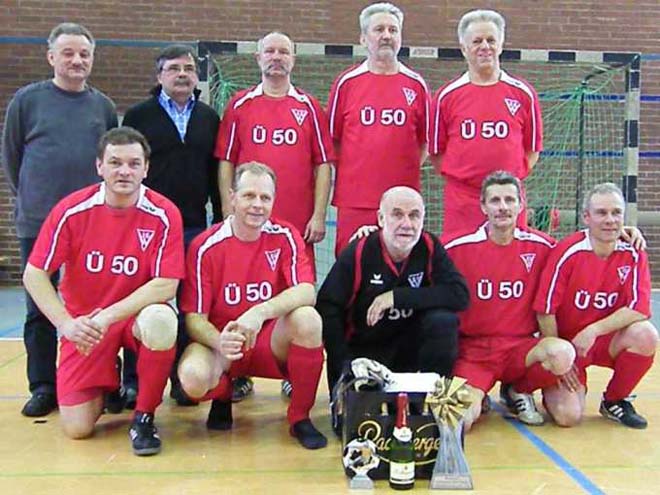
(249,303)
(595,293)
(502,265)
(392,296)
(122,248)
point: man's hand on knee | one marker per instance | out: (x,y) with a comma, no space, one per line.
(249,324)
(83,331)
(231,342)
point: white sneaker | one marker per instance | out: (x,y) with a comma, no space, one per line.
(522,406)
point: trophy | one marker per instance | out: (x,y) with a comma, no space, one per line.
(360,457)
(448,403)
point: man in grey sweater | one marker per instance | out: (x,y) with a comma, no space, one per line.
(49,143)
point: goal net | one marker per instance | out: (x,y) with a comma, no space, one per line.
(584,107)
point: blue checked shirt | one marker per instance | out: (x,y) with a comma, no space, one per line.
(179,117)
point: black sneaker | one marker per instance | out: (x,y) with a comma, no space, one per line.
(220,417)
(40,404)
(177,393)
(114,401)
(242,386)
(286,389)
(622,411)
(486,405)
(144,434)
(131,398)
(308,436)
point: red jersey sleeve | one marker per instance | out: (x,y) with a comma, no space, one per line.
(228,145)
(438,131)
(638,295)
(169,260)
(552,284)
(533,129)
(323,148)
(197,290)
(336,111)
(423,111)
(298,268)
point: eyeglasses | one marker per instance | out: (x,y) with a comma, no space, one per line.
(175,69)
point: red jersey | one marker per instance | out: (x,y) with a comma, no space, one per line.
(380,124)
(108,252)
(481,129)
(227,276)
(289,134)
(502,281)
(580,288)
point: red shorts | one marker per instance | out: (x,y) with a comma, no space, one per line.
(462,210)
(484,360)
(349,220)
(82,378)
(598,355)
(260,360)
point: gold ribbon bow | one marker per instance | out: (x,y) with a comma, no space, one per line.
(449,401)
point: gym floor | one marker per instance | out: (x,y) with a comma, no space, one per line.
(505,457)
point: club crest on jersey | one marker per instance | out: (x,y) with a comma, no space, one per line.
(512,105)
(410,95)
(415,280)
(145,236)
(272,257)
(623,272)
(376,279)
(299,114)
(528,260)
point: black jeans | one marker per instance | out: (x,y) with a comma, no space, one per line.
(39,336)
(429,343)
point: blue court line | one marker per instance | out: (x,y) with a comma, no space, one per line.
(552,454)
(6,331)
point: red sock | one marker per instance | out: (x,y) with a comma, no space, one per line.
(629,369)
(153,370)
(536,377)
(222,390)
(304,369)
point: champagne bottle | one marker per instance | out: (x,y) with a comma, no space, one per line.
(402,451)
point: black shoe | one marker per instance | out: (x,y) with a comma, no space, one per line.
(177,393)
(40,404)
(308,436)
(486,405)
(220,417)
(622,411)
(131,398)
(144,434)
(114,402)
(242,386)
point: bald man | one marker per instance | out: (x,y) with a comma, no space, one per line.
(392,295)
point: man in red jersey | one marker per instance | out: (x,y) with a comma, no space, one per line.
(248,299)
(502,265)
(122,246)
(595,293)
(379,122)
(485,120)
(278,124)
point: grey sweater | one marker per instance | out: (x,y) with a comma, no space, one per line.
(49,147)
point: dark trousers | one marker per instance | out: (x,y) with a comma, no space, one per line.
(39,336)
(182,340)
(428,343)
